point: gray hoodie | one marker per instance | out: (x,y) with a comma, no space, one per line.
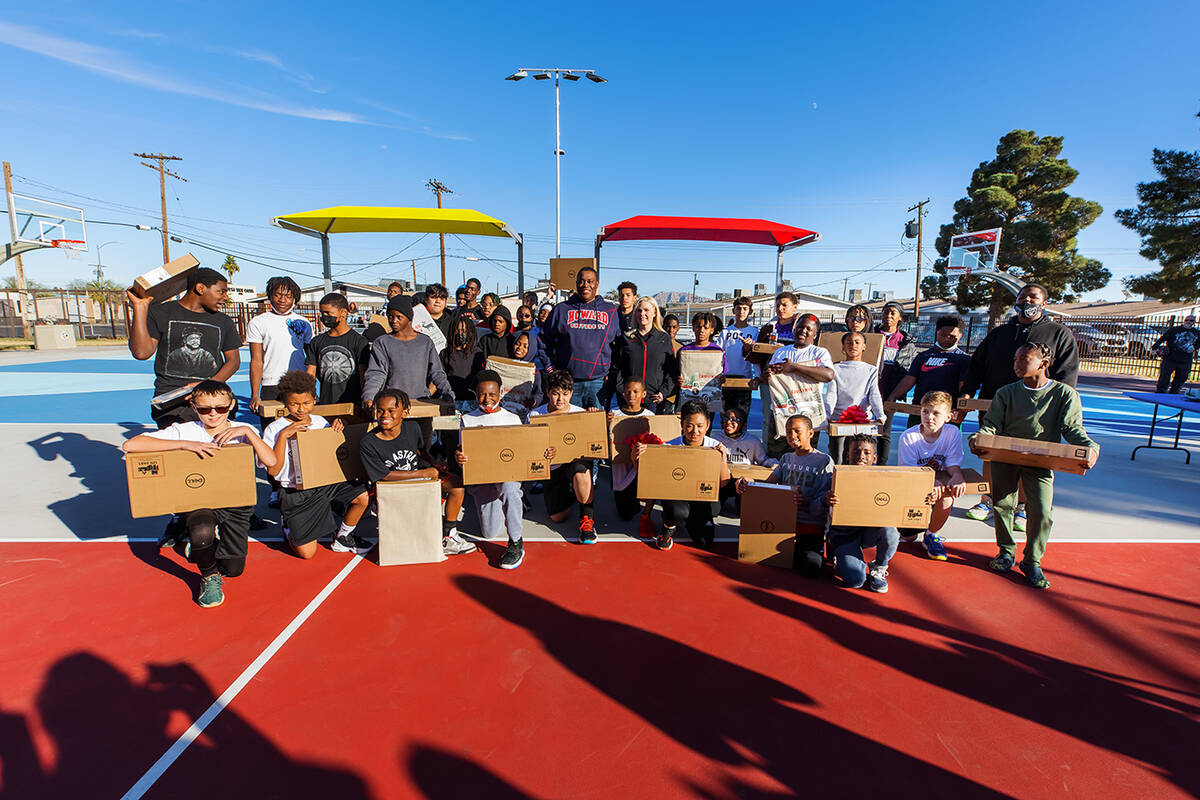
(408,366)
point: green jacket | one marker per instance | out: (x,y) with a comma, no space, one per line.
(1051,414)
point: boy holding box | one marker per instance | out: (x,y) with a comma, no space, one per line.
(848,542)
(337,357)
(624,475)
(394,452)
(855,383)
(211,401)
(306,512)
(573,480)
(1034,407)
(937,445)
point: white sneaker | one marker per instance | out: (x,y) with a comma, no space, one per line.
(980,511)
(455,545)
(350,543)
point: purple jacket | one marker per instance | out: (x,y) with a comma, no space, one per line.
(579,336)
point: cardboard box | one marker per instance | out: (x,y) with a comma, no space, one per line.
(163,283)
(848,429)
(973,404)
(664,426)
(832,341)
(505,453)
(679,473)
(428,409)
(736,383)
(751,472)
(761,352)
(880,496)
(381,320)
(1032,453)
(410,522)
(576,434)
(326,456)
(271,410)
(564,270)
(767,534)
(902,408)
(975,482)
(175,481)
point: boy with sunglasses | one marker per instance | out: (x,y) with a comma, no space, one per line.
(216,559)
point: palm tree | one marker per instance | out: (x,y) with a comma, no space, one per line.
(231,267)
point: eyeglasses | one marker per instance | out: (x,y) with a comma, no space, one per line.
(213,409)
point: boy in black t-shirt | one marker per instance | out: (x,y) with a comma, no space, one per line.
(396,450)
(941,368)
(337,358)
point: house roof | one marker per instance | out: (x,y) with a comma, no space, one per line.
(1121,308)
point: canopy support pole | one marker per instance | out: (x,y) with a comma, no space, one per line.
(520,237)
(779,271)
(325,260)
(599,239)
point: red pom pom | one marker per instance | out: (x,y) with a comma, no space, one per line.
(854,415)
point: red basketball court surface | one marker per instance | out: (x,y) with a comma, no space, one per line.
(598,672)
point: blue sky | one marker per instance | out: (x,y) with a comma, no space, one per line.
(834,119)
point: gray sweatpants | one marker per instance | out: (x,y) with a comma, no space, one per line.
(499,507)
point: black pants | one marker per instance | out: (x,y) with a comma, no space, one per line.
(180,412)
(727,491)
(883,442)
(693,515)
(226,555)
(626,501)
(1172,375)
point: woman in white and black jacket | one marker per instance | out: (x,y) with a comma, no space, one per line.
(645,352)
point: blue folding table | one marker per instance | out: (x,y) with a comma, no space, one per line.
(1180,402)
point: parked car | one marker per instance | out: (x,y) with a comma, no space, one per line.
(1093,342)
(1141,338)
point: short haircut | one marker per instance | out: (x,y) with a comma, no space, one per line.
(285,283)
(488,376)
(627,285)
(849,334)
(691,408)
(863,440)
(1041,347)
(706,316)
(211,387)
(419,298)
(670,318)
(805,318)
(335,299)
(638,381)
(205,277)
(495,298)
(401,397)
(800,418)
(297,382)
(396,285)
(788,296)
(592,270)
(560,379)
(949,321)
(742,301)
(475,281)
(938,398)
(436,290)
(1037,286)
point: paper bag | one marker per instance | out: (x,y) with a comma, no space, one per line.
(410,522)
(698,371)
(516,387)
(790,395)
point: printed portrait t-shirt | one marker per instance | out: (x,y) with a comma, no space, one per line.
(338,359)
(191,344)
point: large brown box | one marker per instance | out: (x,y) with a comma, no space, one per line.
(902,408)
(975,482)
(564,270)
(832,341)
(576,434)
(1032,453)
(751,472)
(381,320)
(736,383)
(428,409)
(881,496)
(664,426)
(175,481)
(325,456)
(679,473)
(767,534)
(761,352)
(853,429)
(410,521)
(973,404)
(504,453)
(271,410)
(163,283)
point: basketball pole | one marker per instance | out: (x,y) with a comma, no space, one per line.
(12,227)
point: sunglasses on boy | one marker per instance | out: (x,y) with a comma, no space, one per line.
(213,409)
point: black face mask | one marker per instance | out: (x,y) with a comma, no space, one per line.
(1028,310)
(460,340)
(329,322)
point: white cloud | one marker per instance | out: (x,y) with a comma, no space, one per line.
(454,137)
(139,34)
(116,65)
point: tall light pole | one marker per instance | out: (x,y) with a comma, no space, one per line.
(566,75)
(99,265)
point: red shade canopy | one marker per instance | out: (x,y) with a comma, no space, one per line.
(709,229)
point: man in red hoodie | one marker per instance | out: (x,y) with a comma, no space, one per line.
(579,336)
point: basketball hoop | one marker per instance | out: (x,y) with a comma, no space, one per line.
(70,247)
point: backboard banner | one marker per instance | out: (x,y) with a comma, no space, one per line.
(973,251)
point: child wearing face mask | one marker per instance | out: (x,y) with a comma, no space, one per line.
(337,357)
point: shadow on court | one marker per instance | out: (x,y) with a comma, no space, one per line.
(442,775)
(108,729)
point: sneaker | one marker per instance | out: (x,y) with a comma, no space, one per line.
(587,530)
(666,539)
(877,579)
(211,593)
(257,523)
(709,534)
(455,545)
(934,546)
(1034,576)
(646,527)
(980,511)
(273,502)
(350,543)
(1001,563)
(1019,519)
(513,556)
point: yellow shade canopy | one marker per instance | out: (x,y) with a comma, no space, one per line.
(379,219)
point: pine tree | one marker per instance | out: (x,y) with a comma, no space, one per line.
(1023,191)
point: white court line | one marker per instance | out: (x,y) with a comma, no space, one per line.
(607,538)
(176,750)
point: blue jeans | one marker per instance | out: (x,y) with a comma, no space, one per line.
(848,544)
(587,393)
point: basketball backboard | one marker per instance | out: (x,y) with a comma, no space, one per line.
(44,223)
(974,251)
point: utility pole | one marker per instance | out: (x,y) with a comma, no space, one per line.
(163,172)
(869,285)
(434,185)
(414,268)
(20,266)
(920,209)
(845,283)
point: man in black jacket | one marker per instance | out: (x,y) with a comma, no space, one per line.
(1180,341)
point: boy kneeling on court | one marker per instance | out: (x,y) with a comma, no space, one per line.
(848,542)
(571,481)
(696,515)
(1034,407)
(810,474)
(395,451)
(217,557)
(307,513)
(624,475)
